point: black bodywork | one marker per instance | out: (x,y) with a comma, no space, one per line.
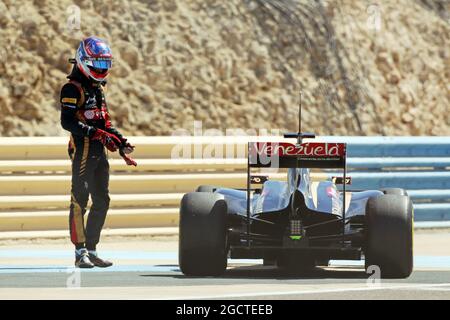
(296,217)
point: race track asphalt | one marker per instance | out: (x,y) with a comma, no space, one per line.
(149,270)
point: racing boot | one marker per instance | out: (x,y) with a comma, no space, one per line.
(82,259)
(98,262)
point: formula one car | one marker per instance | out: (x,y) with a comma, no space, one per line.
(299,223)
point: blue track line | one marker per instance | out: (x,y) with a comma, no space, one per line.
(442,262)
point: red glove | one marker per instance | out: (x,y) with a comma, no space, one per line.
(109,140)
(126,147)
(128,160)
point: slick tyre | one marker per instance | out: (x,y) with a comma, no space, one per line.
(206,188)
(389,221)
(395,191)
(202,247)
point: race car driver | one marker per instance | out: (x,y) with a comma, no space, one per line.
(84,113)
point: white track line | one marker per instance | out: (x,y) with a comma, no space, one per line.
(303,292)
(435,289)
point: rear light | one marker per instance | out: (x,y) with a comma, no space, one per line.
(296,227)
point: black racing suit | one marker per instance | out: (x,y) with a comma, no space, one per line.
(83,110)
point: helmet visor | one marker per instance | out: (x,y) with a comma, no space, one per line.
(98,71)
(102,64)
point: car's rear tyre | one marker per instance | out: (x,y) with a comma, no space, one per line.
(395,191)
(202,247)
(206,188)
(389,221)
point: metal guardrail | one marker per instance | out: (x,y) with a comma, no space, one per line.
(34,176)
(399,162)
(404,179)
(394,146)
(421,165)
(123,184)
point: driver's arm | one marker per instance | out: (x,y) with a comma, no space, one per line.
(69,99)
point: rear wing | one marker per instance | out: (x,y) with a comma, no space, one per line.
(299,155)
(289,155)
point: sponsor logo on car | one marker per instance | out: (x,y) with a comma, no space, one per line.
(304,150)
